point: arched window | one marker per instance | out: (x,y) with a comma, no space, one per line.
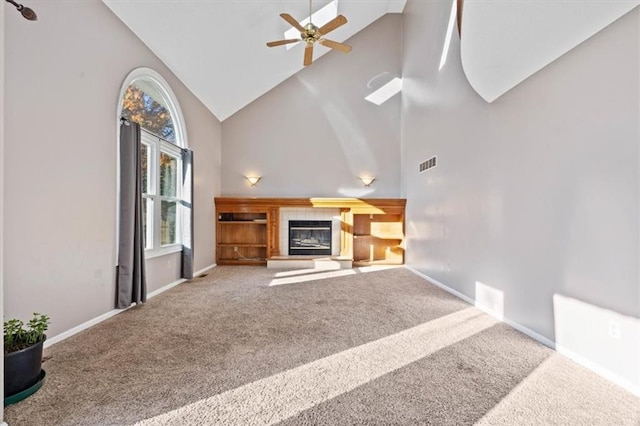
(146,99)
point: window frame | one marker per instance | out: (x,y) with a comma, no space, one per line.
(181,142)
(151,185)
(157,146)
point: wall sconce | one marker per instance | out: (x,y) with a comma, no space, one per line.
(367,181)
(253,180)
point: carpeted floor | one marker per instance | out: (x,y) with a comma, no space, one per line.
(248,345)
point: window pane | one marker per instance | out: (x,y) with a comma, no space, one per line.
(168,224)
(168,175)
(140,107)
(144,166)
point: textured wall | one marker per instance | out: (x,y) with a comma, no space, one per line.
(535,195)
(312,135)
(63,77)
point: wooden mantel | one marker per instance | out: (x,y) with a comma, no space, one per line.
(356,214)
(364,205)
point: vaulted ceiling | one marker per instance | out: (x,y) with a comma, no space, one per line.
(218,48)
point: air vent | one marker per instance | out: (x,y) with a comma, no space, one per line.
(427,164)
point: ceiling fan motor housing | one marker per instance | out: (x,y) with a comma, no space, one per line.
(311,34)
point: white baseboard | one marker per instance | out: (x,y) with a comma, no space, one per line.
(202,271)
(535,336)
(442,286)
(165,288)
(77,329)
(85,325)
(521,328)
(620,381)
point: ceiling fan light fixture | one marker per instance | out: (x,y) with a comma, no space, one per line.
(311,34)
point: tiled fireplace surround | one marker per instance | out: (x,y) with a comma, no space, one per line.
(309,213)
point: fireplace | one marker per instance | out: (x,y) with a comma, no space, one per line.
(310,237)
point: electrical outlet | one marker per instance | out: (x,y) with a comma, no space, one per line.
(614,329)
(235,248)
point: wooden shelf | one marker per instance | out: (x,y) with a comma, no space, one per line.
(378,238)
(240,245)
(245,234)
(242,222)
(376,262)
(386,237)
(243,261)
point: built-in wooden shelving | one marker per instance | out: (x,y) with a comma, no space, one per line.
(372,230)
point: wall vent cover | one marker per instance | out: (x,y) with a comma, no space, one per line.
(427,164)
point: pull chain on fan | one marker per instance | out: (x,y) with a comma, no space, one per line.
(311,34)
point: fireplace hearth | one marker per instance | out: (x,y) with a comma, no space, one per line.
(309,237)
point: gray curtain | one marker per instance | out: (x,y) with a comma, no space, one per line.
(187,213)
(131,280)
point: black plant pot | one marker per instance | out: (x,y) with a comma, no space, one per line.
(22,368)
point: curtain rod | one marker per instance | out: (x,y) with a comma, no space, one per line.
(126,121)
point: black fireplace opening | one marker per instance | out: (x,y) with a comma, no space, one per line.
(310,237)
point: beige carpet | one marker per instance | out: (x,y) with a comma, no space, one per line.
(248,345)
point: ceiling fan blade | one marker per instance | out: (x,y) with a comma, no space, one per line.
(335,45)
(292,21)
(281,42)
(336,22)
(308,55)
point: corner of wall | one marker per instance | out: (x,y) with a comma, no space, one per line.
(2,26)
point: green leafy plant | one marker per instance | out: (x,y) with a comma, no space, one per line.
(18,336)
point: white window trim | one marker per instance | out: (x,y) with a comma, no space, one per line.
(159,146)
(162,251)
(181,141)
(173,151)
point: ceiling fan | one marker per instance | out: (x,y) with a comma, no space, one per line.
(311,33)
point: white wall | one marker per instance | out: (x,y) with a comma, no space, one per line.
(535,195)
(506,41)
(314,134)
(63,77)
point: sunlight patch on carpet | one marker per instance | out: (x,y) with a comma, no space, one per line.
(284,395)
(542,396)
(312,277)
(306,275)
(297,272)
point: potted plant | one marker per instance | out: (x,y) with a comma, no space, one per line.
(23,355)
